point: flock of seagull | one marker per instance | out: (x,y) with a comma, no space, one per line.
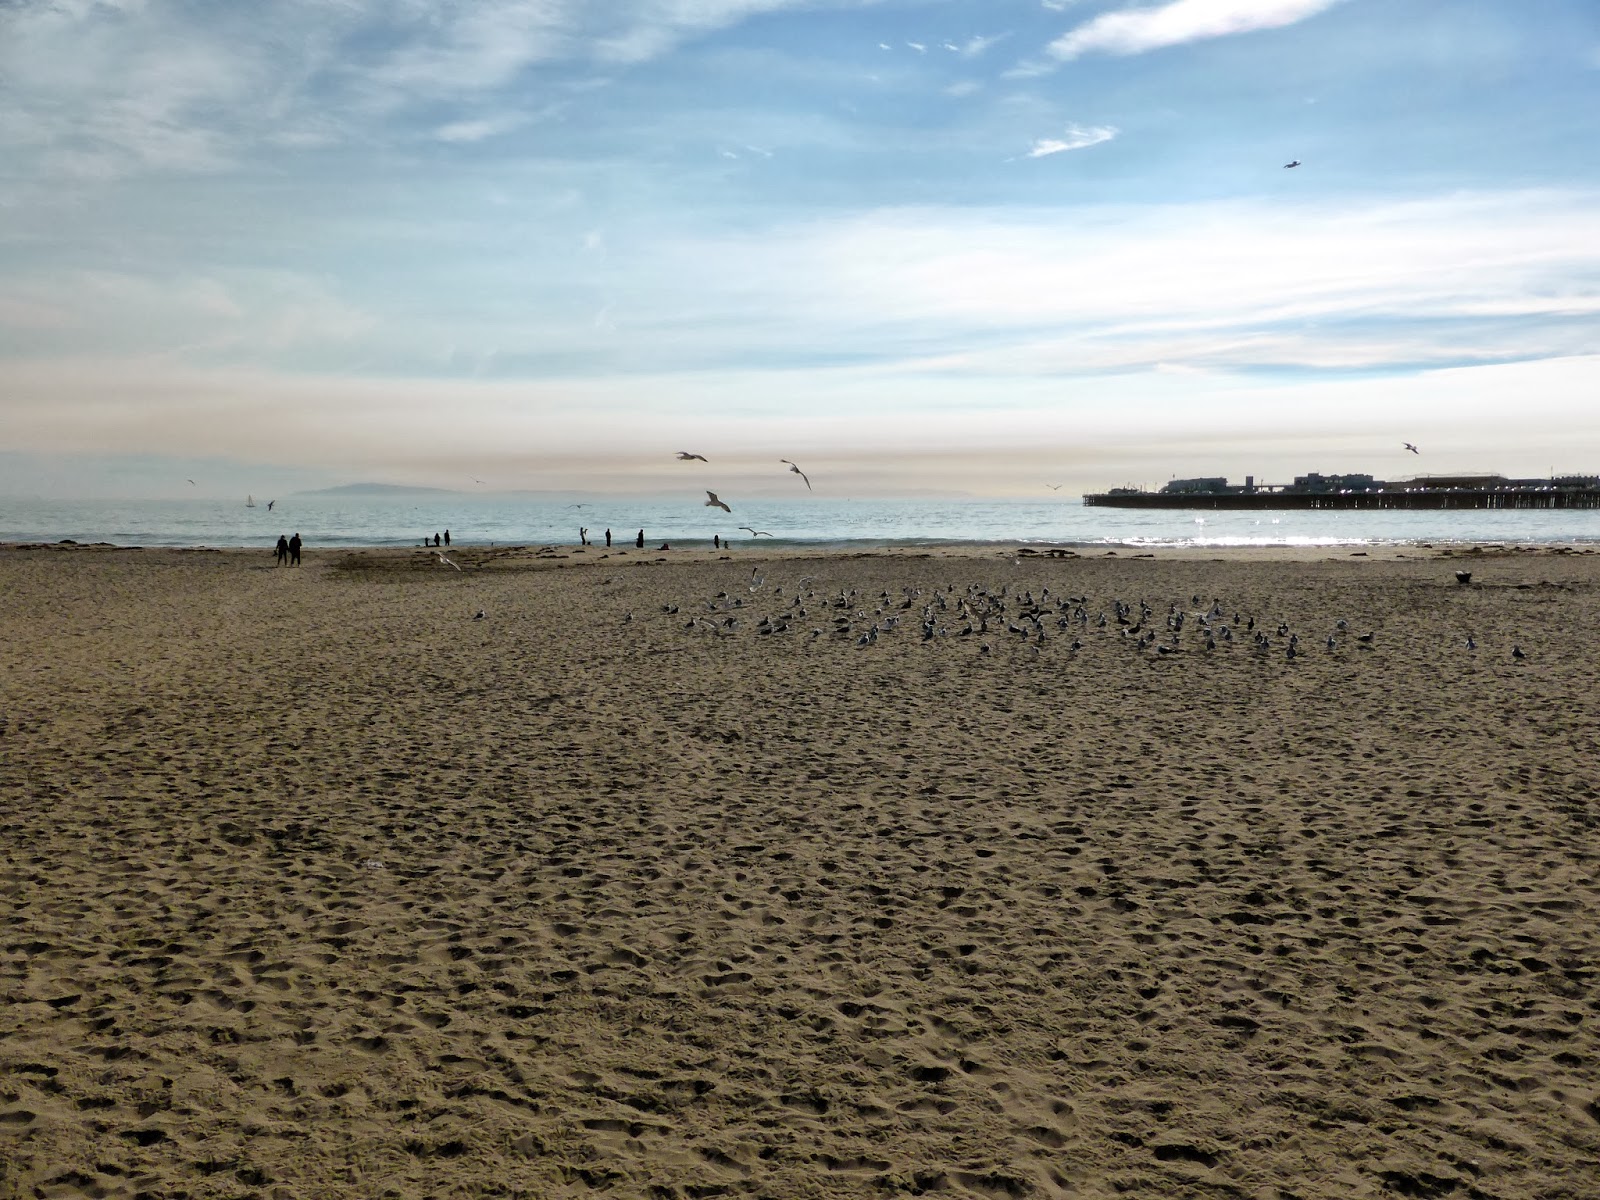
(991,617)
(715,501)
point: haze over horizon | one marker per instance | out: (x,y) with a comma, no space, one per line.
(916,245)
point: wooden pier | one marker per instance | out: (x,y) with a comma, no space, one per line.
(1532,498)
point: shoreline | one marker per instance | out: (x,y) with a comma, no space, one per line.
(476,555)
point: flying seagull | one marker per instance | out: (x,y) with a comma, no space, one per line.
(1054,487)
(192,483)
(713,502)
(447,562)
(685,456)
(1288,165)
(794,470)
(270,503)
(755,532)
(1411,448)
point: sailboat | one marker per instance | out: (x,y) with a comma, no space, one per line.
(249,501)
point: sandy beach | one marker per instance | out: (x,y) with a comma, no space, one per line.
(316,884)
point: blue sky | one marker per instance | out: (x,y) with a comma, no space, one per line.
(936,244)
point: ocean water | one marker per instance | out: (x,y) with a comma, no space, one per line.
(333,521)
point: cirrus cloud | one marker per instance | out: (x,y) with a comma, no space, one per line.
(1077,138)
(1136,30)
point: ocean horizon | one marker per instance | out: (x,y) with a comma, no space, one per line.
(349,521)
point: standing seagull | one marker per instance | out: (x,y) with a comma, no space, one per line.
(794,470)
(1411,448)
(713,502)
(685,456)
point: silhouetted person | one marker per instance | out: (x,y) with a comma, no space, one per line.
(664,546)
(639,541)
(716,540)
(608,539)
(294,550)
(436,539)
(583,535)
(446,537)
(282,550)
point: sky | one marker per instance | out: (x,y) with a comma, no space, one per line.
(964,246)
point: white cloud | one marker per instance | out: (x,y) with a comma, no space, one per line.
(235,315)
(1077,138)
(1136,30)
(974,46)
(1454,278)
(102,90)
(476,130)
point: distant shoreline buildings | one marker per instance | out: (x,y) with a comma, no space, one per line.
(1315,490)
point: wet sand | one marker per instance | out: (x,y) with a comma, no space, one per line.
(314,885)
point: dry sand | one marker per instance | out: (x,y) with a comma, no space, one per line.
(315,886)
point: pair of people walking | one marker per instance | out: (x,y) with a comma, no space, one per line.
(288,550)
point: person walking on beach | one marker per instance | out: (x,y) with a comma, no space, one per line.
(282,551)
(639,541)
(583,535)
(294,550)
(446,537)
(608,539)
(716,540)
